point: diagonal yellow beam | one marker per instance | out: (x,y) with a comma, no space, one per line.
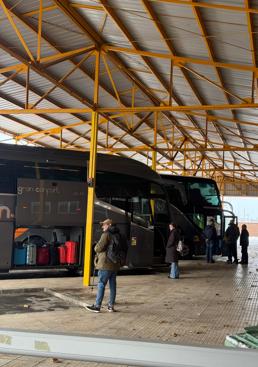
(54,130)
(201,76)
(165,38)
(57,130)
(113,84)
(197,14)
(209,6)
(179,59)
(66,55)
(86,6)
(232,170)
(110,10)
(93,35)
(117,20)
(71,142)
(73,5)
(60,81)
(32,28)
(18,67)
(219,118)
(35,12)
(185,71)
(77,19)
(10,77)
(110,77)
(167,41)
(9,17)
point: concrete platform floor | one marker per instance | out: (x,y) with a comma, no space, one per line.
(208,302)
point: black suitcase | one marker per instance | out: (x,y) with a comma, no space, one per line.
(54,258)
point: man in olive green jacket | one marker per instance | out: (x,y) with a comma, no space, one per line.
(107,270)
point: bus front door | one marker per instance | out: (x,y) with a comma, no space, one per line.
(141,247)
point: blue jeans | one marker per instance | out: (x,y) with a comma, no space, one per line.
(174,270)
(104,277)
(209,251)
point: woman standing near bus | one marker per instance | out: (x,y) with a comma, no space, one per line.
(171,251)
(244,242)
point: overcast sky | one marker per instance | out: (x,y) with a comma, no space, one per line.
(245,208)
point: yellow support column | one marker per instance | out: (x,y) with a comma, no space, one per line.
(154,156)
(154,152)
(91,181)
(185,158)
(154,160)
(61,139)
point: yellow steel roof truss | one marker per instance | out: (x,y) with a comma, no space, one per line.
(152,108)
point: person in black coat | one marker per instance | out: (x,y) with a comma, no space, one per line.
(171,251)
(244,242)
(232,233)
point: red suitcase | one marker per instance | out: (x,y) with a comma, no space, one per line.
(62,254)
(71,252)
(43,255)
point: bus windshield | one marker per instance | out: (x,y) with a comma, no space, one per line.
(196,198)
(192,194)
(203,194)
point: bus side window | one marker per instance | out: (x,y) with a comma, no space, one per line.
(38,208)
(140,209)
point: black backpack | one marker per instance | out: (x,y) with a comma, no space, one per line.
(117,249)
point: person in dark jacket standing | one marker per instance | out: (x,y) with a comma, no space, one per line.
(232,233)
(210,234)
(107,270)
(244,242)
(171,251)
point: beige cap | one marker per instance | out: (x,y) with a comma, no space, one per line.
(106,221)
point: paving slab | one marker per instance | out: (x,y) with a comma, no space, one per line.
(208,302)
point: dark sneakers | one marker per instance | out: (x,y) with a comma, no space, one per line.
(111,309)
(93,308)
(96,309)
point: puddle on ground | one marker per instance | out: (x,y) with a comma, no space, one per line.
(30,302)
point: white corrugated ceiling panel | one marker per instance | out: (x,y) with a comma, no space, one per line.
(182,29)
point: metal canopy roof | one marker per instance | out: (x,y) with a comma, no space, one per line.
(177,77)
